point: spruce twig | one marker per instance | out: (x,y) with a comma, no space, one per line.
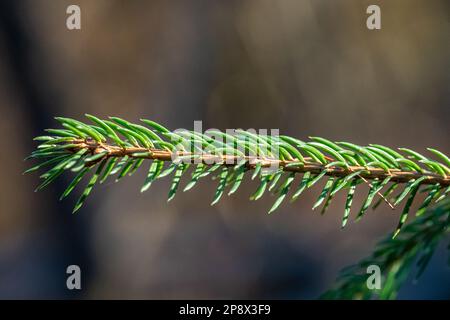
(395,258)
(118,147)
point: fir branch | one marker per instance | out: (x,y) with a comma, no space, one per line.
(118,147)
(396,257)
(102,150)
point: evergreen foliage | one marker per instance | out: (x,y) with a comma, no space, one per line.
(115,148)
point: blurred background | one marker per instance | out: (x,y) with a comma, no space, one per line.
(306,67)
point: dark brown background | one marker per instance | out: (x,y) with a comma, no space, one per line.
(305,67)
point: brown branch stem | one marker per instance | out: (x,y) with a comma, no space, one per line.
(369,173)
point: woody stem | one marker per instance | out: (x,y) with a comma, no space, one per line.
(368,173)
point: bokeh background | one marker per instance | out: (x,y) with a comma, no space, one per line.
(305,67)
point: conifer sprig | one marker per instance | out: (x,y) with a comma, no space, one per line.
(116,147)
(396,258)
